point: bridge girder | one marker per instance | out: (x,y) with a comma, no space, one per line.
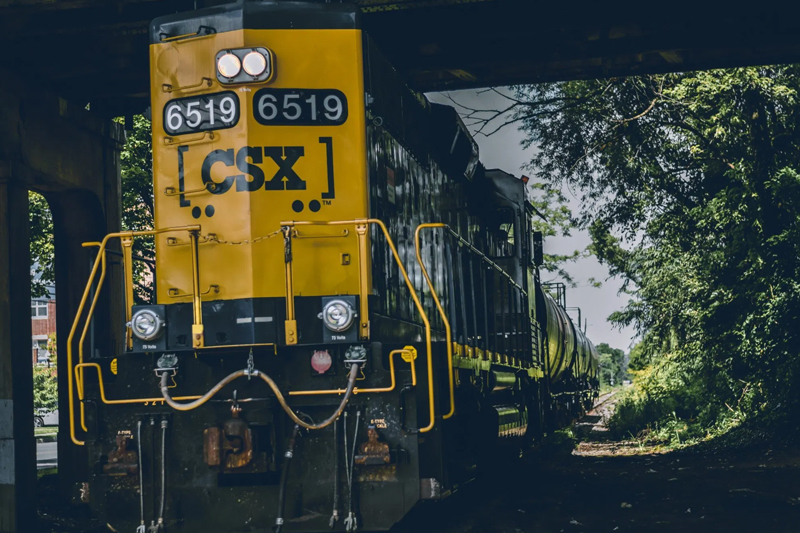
(96,50)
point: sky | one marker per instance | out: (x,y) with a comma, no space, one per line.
(503,150)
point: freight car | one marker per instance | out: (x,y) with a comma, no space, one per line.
(347,316)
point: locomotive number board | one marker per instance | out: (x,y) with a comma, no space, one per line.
(201,113)
(300,107)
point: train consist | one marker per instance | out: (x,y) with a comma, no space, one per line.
(347,314)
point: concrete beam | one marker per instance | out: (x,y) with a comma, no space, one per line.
(52,144)
(17,445)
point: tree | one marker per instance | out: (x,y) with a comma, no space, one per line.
(45,383)
(690,186)
(136,160)
(550,203)
(41,245)
(613,366)
(555,220)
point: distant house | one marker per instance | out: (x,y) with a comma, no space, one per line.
(43,325)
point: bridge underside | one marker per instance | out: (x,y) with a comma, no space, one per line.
(96,50)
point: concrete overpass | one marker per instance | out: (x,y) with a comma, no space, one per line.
(96,50)
(60,55)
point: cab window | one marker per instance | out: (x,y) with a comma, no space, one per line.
(502,233)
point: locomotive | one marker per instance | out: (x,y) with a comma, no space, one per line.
(347,314)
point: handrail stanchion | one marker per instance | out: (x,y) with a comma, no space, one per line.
(198,340)
(127,267)
(363,273)
(290,325)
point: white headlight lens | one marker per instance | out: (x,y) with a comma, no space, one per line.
(229,65)
(147,325)
(254,63)
(338,315)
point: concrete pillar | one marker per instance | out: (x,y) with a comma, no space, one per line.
(17,444)
(72,268)
(71,156)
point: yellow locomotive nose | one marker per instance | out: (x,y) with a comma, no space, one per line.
(240,146)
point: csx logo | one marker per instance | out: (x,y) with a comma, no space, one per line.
(250,177)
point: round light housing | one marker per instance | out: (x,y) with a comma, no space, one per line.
(254,63)
(337,315)
(321,361)
(229,65)
(146,325)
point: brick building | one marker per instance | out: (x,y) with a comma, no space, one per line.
(43,324)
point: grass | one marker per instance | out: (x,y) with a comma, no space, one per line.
(47,472)
(49,430)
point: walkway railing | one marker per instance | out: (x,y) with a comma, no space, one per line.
(100,263)
(361,227)
(515,305)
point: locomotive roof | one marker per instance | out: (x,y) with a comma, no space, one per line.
(274,15)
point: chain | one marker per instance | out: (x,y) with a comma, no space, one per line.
(251,366)
(214,238)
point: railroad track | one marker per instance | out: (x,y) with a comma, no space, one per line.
(604,399)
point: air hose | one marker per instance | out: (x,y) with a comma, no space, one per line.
(285,478)
(351,383)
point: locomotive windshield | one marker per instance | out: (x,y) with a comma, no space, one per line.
(502,233)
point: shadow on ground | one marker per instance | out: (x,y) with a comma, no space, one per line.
(611,486)
(602,486)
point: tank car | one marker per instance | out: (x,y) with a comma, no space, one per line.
(347,315)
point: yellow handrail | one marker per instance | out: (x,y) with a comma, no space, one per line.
(409,351)
(79,383)
(101,260)
(290,320)
(441,313)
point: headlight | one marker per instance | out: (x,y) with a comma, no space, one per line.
(146,325)
(254,63)
(337,315)
(245,65)
(229,65)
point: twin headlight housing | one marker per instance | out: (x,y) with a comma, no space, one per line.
(338,315)
(244,65)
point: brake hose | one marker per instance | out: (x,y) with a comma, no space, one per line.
(141,528)
(285,478)
(351,383)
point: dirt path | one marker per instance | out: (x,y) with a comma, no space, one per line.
(609,486)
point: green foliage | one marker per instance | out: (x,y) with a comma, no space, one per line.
(41,235)
(613,366)
(45,387)
(638,358)
(690,186)
(556,220)
(560,442)
(45,383)
(136,160)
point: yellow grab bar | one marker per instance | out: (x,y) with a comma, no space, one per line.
(363,274)
(101,260)
(409,351)
(441,313)
(79,383)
